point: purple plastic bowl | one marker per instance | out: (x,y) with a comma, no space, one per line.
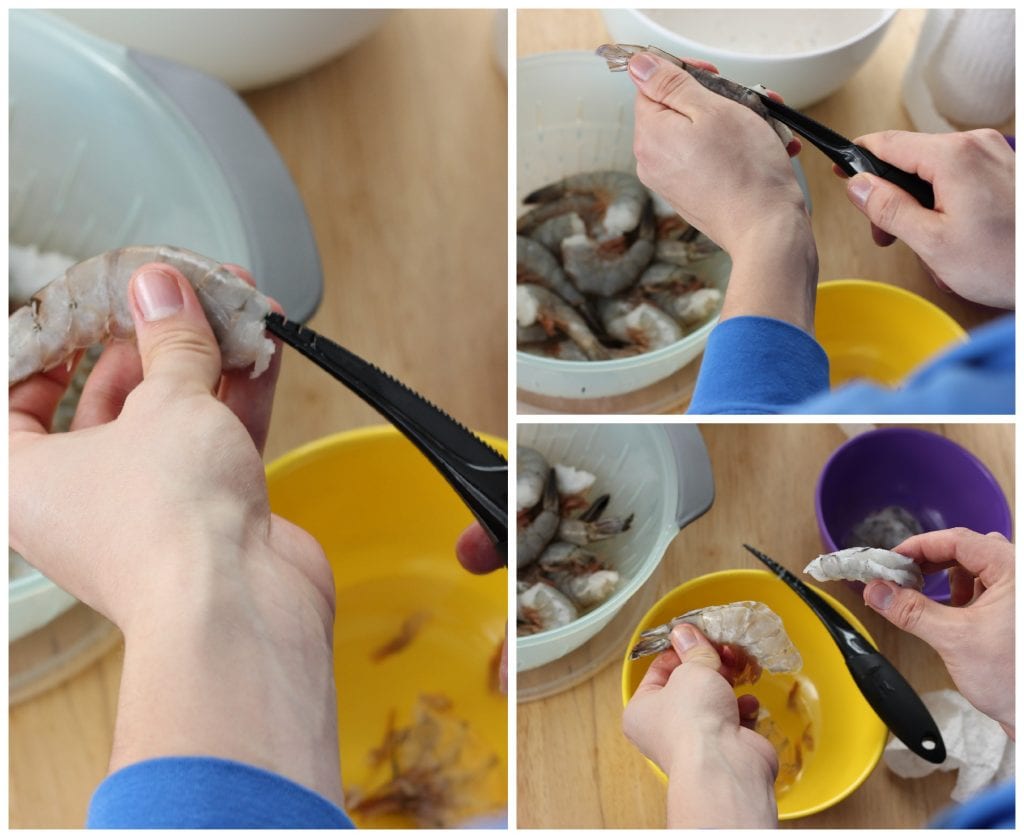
(942,484)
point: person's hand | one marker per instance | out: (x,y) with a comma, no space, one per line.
(153,510)
(477,555)
(974,634)
(966,242)
(724,170)
(685,717)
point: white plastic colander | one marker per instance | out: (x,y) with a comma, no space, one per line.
(659,473)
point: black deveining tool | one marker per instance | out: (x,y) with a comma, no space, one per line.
(477,472)
(888,693)
(850,157)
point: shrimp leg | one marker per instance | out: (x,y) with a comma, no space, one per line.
(89,303)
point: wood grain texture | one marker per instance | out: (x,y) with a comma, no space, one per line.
(870,101)
(576,769)
(399,151)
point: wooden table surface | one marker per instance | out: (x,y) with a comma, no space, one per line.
(399,150)
(870,101)
(574,766)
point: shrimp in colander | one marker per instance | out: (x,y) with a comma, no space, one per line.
(752,626)
(88,303)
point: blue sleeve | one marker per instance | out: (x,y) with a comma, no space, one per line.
(758,365)
(976,377)
(207,793)
(992,809)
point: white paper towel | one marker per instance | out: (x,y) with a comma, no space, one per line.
(976,746)
(962,70)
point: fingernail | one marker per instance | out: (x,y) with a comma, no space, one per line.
(859,188)
(157,295)
(684,636)
(880,596)
(642,66)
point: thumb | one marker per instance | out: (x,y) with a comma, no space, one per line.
(888,207)
(693,647)
(909,610)
(175,338)
(665,83)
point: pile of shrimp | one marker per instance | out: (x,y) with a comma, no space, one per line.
(559,579)
(605,269)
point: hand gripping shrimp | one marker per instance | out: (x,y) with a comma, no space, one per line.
(752,626)
(618,55)
(89,303)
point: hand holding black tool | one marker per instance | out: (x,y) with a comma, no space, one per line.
(851,158)
(475,470)
(888,693)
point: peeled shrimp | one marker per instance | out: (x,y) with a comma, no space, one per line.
(536,304)
(621,194)
(862,564)
(618,55)
(752,626)
(89,303)
(535,263)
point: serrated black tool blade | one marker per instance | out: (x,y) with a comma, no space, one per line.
(849,156)
(477,472)
(888,693)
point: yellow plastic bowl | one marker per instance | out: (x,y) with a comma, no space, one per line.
(388,523)
(871,330)
(848,736)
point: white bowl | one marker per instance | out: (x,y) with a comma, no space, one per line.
(659,473)
(824,47)
(244,48)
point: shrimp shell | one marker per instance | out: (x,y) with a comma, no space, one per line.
(89,303)
(862,564)
(751,625)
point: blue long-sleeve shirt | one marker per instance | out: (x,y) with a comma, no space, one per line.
(210,793)
(763,365)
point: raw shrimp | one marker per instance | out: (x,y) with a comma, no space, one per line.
(561,555)
(680,293)
(535,263)
(536,304)
(752,626)
(685,251)
(587,588)
(573,481)
(532,472)
(538,533)
(89,303)
(585,207)
(579,531)
(554,231)
(618,55)
(621,194)
(862,564)
(601,268)
(639,323)
(542,607)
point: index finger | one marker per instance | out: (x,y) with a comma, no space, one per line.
(31,403)
(988,557)
(914,153)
